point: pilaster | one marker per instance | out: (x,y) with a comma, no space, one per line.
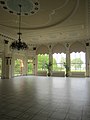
(87,60)
(67,60)
(6,64)
(50,58)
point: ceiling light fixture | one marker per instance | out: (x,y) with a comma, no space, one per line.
(19,45)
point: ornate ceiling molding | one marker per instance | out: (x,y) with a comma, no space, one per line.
(52,15)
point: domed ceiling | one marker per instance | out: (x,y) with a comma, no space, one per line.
(44,21)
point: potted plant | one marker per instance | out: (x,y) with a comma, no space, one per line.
(48,66)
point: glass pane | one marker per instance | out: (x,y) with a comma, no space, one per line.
(58,61)
(78,61)
(30,66)
(42,60)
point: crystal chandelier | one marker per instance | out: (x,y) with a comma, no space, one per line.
(18,44)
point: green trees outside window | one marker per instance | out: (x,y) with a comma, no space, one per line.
(30,66)
(42,60)
(78,62)
(58,61)
(18,67)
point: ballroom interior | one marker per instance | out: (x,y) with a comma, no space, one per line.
(44,59)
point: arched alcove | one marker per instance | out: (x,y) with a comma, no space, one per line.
(42,50)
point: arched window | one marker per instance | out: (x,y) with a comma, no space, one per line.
(77,57)
(58,61)
(59,57)
(43,57)
(78,61)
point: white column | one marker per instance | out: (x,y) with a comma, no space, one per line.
(36,64)
(8,70)
(3,67)
(13,64)
(6,64)
(50,58)
(67,60)
(87,60)
(25,65)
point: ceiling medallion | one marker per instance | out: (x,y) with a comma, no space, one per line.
(29,7)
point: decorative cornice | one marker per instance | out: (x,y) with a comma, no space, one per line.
(6,37)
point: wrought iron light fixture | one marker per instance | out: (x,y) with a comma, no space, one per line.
(18,44)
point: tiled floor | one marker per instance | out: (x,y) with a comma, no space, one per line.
(45,98)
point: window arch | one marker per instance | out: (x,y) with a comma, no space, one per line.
(59,48)
(42,50)
(42,57)
(77,47)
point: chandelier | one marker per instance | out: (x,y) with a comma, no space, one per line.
(18,44)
